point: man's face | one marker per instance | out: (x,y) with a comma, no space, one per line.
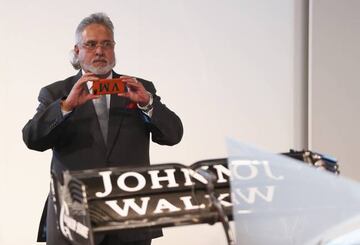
(96,50)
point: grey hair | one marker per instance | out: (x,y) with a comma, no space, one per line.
(95,18)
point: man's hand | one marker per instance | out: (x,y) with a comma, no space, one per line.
(136,91)
(79,95)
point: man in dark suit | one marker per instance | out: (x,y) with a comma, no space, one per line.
(69,122)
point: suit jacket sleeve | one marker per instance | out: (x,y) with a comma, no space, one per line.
(165,126)
(44,129)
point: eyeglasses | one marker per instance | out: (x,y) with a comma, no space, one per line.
(92,45)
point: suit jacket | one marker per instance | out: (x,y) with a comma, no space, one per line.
(77,142)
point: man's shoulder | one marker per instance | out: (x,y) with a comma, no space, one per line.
(66,83)
(116,75)
(59,88)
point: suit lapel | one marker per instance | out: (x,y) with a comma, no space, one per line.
(88,111)
(73,80)
(116,117)
(96,131)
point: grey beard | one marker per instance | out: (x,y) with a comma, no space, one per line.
(100,70)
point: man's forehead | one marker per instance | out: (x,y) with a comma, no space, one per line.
(96,32)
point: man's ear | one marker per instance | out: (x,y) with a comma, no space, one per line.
(76,50)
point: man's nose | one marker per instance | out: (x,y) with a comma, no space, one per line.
(99,50)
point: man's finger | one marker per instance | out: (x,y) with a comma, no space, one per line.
(83,79)
(92,97)
(90,78)
(126,94)
(129,79)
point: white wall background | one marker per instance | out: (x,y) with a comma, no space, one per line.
(335,81)
(228,68)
